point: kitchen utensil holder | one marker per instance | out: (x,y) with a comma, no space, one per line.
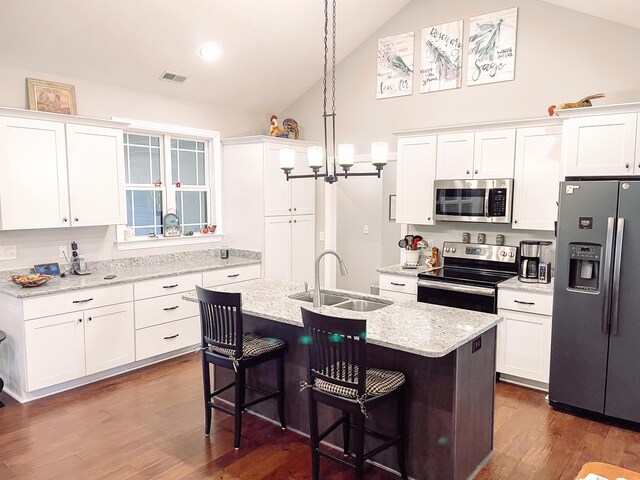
(413,256)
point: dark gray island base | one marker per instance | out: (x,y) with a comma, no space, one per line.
(449,401)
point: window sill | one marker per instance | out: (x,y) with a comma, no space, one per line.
(159,242)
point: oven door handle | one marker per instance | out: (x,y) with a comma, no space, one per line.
(454,287)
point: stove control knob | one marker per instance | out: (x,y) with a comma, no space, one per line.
(504,254)
(511,255)
(453,250)
(447,249)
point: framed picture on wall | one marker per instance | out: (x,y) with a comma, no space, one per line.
(392,207)
(52,97)
(395,66)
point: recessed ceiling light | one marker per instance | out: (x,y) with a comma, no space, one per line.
(210,51)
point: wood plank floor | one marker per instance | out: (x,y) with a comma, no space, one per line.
(148,425)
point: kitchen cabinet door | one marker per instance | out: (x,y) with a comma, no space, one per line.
(602,145)
(416,174)
(524,345)
(303,248)
(95,158)
(455,156)
(493,155)
(303,191)
(109,337)
(55,350)
(277,247)
(33,174)
(277,190)
(537,177)
(636,170)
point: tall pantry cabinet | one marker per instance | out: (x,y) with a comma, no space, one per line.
(265,212)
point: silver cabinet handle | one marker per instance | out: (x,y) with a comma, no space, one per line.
(79,320)
(606,281)
(295,209)
(172,336)
(295,221)
(289,209)
(429,218)
(626,165)
(170,308)
(468,172)
(476,172)
(233,275)
(170,286)
(472,289)
(515,221)
(76,219)
(65,219)
(617,264)
(524,303)
(89,319)
(398,284)
(289,221)
(83,301)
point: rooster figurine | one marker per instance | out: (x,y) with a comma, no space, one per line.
(585,102)
(275,130)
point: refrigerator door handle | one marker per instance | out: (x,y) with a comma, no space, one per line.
(617,265)
(606,282)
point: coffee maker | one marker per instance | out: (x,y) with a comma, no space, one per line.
(532,267)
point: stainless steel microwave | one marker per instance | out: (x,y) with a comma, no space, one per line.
(485,201)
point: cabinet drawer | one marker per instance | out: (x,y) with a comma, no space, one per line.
(167,285)
(399,283)
(76,301)
(167,337)
(157,310)
(398,295)
(230,275)
(525,301)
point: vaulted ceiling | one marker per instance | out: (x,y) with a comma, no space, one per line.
(272,50)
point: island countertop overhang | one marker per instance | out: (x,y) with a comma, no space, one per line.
(419,328)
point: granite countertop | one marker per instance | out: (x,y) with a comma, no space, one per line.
(407,272)
(420,328)
(517,285)
(133,270)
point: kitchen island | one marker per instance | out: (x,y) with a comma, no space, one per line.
(447,355)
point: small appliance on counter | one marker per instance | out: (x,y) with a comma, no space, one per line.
(533,268)
(78,264)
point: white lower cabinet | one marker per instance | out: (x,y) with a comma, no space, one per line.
(108,337)
(167,337)
(524,336)
(55,350)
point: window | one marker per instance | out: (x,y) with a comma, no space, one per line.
(168,173)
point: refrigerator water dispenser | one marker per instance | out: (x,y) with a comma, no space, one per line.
(584,267)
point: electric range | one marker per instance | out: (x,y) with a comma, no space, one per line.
(469,276)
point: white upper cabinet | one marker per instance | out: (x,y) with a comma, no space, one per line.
(95,157)
(537,177)
(33,174)
(455,156)
(493,154)
(284,197)
(481,155)
(602,145)
(416,174)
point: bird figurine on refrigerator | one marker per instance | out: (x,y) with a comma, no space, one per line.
(275,130)
(585,102)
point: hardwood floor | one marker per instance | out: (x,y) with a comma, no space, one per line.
(149,425)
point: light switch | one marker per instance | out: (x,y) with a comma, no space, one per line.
(9,252)
(365,230)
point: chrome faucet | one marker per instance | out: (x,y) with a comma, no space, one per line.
(316,286)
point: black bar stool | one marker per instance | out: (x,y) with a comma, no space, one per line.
(338,376)
(224,343)
(3,336)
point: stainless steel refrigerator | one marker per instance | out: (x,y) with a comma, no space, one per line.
(595,341)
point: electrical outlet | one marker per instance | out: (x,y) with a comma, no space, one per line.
(476,345)
(365,230)
(322,236)
(9,252)
(63,251)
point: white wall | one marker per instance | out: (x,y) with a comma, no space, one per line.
(106,101)
(562,55)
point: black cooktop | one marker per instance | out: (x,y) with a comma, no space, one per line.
(468,276)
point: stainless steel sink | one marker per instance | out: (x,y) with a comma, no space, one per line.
(358,305)
(325,298)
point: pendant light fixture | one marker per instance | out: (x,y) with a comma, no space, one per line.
(344,155)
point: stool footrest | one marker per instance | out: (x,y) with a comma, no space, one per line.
(222,409)
(380,448)
(222,389)
(338,459)
(331,428)
(261,399)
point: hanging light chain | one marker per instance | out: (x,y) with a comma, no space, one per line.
(326,54)
(333,60)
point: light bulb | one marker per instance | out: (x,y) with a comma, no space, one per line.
(316,156)
(346,153)
(287,159)
(210,51)
(379,153)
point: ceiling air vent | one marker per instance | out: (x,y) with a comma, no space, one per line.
(173,77)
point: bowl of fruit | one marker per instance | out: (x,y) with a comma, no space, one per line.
(34,280)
